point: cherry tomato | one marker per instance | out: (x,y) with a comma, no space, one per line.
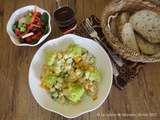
(17,31)
(38,14)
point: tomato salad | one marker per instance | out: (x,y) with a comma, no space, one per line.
(31,27)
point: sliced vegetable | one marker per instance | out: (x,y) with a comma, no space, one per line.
(27,35)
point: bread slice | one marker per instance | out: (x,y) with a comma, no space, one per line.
(147,24)
(121,19)
(128,37)
(147,47)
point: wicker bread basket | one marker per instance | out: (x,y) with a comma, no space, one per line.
(113,41)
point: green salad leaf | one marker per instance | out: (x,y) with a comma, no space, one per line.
(93,75)
(27,19)
(76,50)
(44,18)
(46,29)
(50,57)
(15,26)
(49,81)
(75,92)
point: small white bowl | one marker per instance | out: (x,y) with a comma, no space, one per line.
(103,64)
(19,13)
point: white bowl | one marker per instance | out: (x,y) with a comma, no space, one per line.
(19,13)
(102,63)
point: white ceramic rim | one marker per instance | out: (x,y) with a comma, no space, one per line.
(110,85)
(9,30)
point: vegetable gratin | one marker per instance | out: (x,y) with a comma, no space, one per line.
(70,75)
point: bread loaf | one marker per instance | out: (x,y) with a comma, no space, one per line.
(147,47)
(147,24)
